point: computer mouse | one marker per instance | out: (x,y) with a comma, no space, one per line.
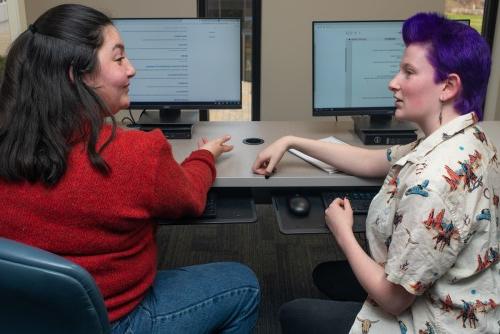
(299,205)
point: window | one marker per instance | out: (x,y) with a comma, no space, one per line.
(4,28)
(481,13)
(249,12)
(472,10)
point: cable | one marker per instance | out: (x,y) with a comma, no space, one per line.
(129,119)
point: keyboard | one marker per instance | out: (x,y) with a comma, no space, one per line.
(360,198)
(211,206)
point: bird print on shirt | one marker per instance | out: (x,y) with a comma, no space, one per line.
(465,174)
(410,239)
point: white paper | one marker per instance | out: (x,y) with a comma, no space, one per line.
(315,162)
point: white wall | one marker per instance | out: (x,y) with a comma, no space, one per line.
(4,14)
(121,8)
(286,88)
(17,17)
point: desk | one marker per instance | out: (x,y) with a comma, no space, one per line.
(234,168)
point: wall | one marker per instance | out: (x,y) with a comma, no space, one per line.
(17,18)
(286,92)
(492,107)
(4,15)
(121,8)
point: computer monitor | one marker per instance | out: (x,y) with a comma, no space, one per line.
(182,63)
(353,63)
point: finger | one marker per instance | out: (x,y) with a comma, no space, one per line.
(224,139)
(347,203)
(260,172)
(259,163)
(270,169)
(201,142)
(337,202)
(258,168)
(227,148)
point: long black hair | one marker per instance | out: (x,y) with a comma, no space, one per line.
(43,110)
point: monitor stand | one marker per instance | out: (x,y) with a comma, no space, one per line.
(174,123)
(383,130)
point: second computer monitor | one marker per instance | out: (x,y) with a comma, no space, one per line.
(353,63)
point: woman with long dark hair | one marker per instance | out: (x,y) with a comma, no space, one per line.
(74,185)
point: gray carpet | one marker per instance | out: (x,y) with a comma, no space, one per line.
(283,263)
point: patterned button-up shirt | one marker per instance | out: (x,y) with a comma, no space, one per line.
(434,227)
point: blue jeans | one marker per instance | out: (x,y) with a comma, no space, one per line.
(218,297)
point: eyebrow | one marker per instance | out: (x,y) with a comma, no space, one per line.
(119,46)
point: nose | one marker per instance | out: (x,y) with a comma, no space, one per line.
(393,84)
(130,69)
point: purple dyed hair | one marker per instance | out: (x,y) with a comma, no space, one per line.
(453,47)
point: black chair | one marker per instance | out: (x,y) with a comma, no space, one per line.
(41,292)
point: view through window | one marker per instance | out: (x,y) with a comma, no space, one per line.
(472,10)
(4,30)
(241,9)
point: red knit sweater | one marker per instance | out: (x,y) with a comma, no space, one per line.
(105,223)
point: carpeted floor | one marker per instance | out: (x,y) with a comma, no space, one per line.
(283,263)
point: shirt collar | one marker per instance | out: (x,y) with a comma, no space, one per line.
(442,134)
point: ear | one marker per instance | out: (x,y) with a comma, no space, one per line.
(452,88)
(88,79)
(70,74)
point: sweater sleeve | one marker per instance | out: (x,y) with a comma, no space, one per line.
(181,189)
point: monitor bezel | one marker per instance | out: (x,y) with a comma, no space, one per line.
(350,111)
(165,105)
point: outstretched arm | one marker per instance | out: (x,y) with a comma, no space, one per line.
(347,158)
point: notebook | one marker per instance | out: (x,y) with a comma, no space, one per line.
(315,162)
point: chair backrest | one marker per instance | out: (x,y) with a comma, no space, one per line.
(41,292)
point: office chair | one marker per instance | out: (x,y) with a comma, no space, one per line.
(41,292)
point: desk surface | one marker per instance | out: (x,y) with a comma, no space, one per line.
(234,168)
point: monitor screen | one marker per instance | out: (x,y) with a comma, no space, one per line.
(188,63)
(353,63)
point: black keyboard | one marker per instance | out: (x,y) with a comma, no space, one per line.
(211,206)
(360,199)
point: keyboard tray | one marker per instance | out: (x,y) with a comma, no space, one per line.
(360,199)
(230,210)
(314,222)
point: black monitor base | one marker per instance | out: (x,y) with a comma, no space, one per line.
(173,123)
(384,131)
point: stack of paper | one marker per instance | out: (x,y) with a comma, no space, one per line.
(315,162)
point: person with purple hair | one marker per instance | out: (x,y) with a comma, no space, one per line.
(432,229)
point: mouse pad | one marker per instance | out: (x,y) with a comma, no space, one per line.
(314,222)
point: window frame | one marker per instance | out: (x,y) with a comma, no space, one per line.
(256,45)
(489,20)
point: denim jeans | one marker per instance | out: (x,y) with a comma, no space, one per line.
(218,297)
